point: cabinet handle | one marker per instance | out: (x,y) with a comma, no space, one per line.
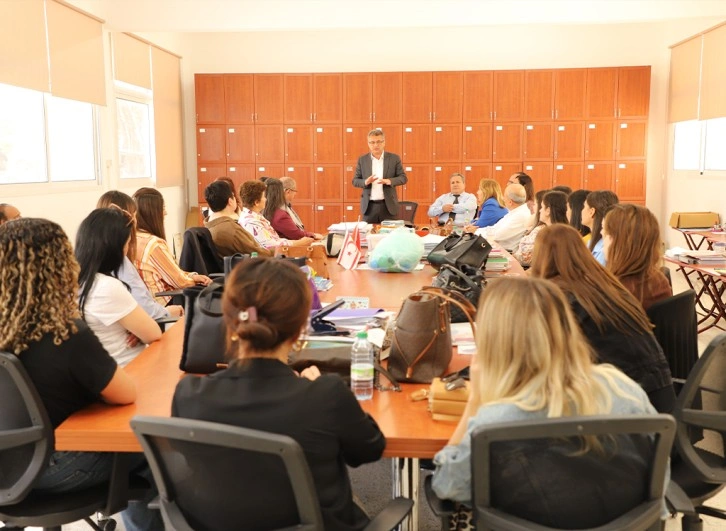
(252,117)
(495,115)
(315,117)
(491,115)
(434,116)
(311,117)
(429,116)
(370,116)
(557,114)
(374,116)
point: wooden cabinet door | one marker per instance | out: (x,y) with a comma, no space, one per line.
(630,181)
(508,95)
(299,144)
(305,212)
(448,96)
(541,173)
(419,187)
(416,143)
(387,97)
(304,181)
(355,138)
(507,142)
(240,173)
(209,98)
(351,212)
(478,96)
(502,171)
(631,139)
(475,173)
(568,174)
(598,176)
(329,183)
(538,141)
(327,98)
(239,98)
(211,143)
(417,97)
(298,98)
(600,140)
(477,142)
(447,143)
(327,215)
(270,143)
(207,173)
(539,95)
(328,143)
(357,98)
(394,138)
(441,178)
(602,90)
(569,141)
(263,169)
(350,193)
(570,93)
(241,143)
(633,91)
(268,98)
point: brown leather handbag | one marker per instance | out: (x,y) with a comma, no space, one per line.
(316,255)
(421,345)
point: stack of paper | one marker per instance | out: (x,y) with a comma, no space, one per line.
(430,241)
(343,227)
(703,257)
(497,261)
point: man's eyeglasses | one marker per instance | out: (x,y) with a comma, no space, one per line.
(375,142)
(291,190)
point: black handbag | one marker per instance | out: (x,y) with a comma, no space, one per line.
(460,250)
(204,348)
(466,281)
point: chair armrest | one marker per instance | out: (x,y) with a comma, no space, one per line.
(439,507)
(170,293)
(677,500)
(155,504)
(391,515)
(214,276)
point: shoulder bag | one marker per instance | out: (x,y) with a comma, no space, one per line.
(467,281)
(204,348)
(421,346)
(460,249)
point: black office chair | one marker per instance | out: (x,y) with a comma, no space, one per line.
(700,468)
(530,475)
(199,253)
(676,329)
(26,442)
(407,212)
(221,477)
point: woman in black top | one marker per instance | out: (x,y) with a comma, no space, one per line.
(266,305)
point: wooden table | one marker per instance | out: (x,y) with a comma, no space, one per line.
(709,287)
(706,236)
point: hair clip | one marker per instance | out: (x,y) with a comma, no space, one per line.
(249,315)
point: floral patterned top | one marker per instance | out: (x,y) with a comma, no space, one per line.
(261,229)
(523,253)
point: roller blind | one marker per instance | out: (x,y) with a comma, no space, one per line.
(713,80)
(685,79)
(75,48)
(131,60)
(166,78)
(23,46)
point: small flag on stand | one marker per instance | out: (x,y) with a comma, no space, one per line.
(350,251)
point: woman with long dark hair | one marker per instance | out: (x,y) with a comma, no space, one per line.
(575,202)
(596,206)
(278,210)
(551,208)
(105,302)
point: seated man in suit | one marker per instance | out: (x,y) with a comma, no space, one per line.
(378,173)
(509,230)
(8,213)
(229,237)
(458,206)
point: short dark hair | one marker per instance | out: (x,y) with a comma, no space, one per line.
(217,195)
(250,192)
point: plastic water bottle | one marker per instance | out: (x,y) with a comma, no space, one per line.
(361,367)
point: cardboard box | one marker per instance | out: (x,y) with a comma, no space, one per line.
(447,405)
(693,220)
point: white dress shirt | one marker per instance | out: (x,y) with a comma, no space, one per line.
(509,230)
(377,169)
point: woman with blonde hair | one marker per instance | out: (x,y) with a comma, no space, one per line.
(632,247)
(492,207)
(612,320)
(543,371)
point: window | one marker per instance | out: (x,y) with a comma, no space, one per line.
(134,113)
(45,139)
(698,146)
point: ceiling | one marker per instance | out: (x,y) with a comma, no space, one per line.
(307,15)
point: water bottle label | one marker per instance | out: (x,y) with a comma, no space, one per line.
(361,371)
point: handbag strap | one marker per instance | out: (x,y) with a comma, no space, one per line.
(205,299)
(457,299)
(460,274)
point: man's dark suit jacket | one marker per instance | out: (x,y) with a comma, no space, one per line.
(323,416)
(392,169)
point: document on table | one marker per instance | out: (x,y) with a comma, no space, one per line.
(463,337)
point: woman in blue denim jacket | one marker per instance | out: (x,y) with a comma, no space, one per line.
(543,371)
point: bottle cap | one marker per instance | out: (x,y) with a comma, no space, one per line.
(253,255)
(362,334)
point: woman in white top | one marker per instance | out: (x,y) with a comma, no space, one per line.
(108,307)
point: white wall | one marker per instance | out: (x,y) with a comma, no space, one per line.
(480,48)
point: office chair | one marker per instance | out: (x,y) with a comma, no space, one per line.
(530,475)
(407,212)
(221,477)
(700,468)
(199,253)
(26,443)
(676,329)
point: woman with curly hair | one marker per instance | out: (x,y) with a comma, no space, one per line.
(40,323)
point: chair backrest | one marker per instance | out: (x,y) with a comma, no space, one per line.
(26,435)
(407,211)
(701,408)
(214,476)
(537,471)
(199,253)
(676,329)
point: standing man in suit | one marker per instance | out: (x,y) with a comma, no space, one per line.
(378,174)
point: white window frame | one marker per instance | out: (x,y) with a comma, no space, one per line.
(701,171)
(136,94)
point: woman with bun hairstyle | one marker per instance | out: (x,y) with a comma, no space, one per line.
(266,305)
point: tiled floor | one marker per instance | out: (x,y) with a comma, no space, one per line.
(673,524)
